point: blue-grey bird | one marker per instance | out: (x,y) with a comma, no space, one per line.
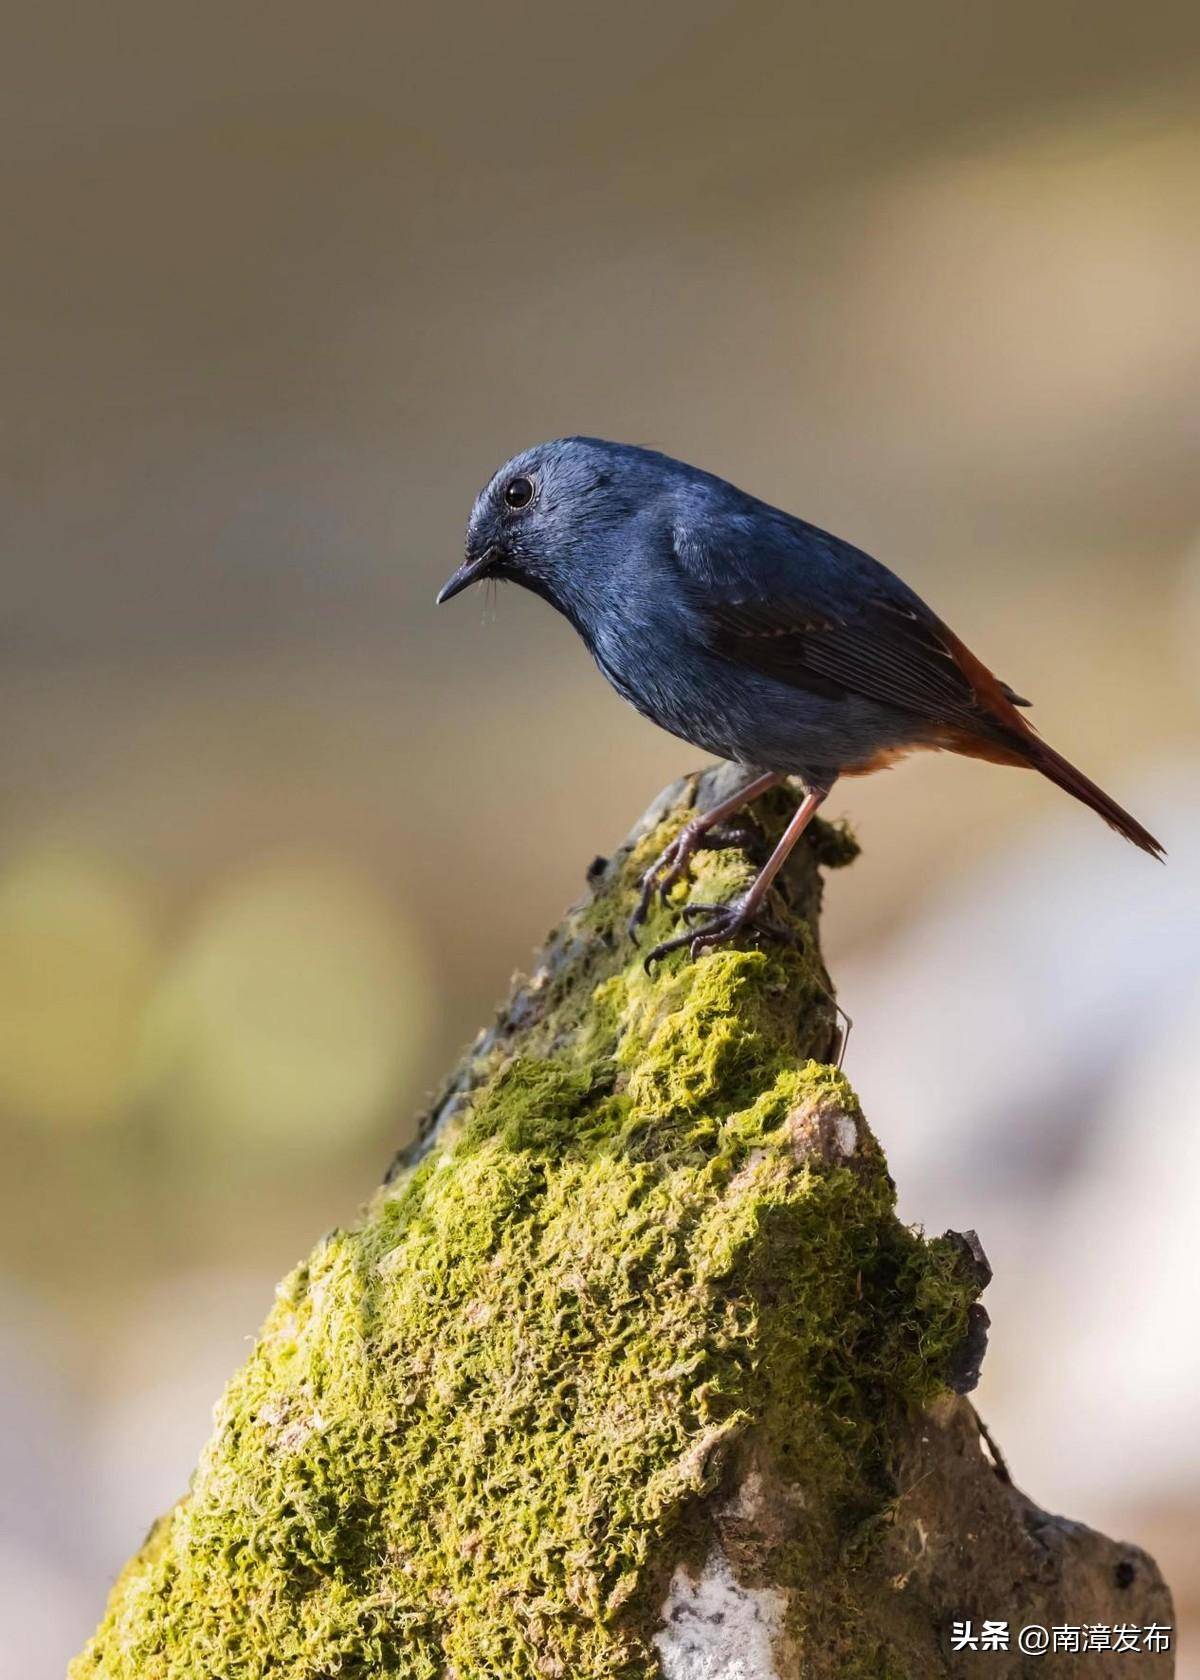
(749,633)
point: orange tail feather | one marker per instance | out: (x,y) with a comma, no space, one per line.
(1064,775)
(1015,742)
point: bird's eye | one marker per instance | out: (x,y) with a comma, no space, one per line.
(518,493)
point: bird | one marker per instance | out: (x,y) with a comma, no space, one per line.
(750,634)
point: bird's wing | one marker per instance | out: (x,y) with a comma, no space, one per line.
(833,621)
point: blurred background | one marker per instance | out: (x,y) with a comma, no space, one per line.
(282,285)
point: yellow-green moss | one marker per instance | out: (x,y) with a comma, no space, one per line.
(475,1428)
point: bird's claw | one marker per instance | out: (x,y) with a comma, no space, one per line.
(693,912)
(667,868)
(725,922)
(672,862)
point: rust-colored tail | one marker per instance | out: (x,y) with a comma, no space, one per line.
(1007,738)
(1064,775)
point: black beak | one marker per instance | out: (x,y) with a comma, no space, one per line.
(471,570)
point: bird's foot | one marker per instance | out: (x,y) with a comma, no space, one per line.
(672,862)
(724,922)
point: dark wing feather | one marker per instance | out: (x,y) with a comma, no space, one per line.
(885,651)
(780,597)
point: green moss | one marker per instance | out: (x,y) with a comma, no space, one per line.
(475,1426)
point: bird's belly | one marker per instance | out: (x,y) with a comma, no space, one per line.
(757,721)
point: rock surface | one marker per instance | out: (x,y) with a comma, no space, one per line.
(628,1369)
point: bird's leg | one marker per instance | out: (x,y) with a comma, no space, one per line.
(725,921)
(671,863)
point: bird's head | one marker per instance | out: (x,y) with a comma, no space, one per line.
(547,520)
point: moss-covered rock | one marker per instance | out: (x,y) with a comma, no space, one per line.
(642,1274)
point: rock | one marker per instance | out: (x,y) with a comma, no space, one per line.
(627,1370)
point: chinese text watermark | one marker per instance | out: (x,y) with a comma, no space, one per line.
(1035,1640)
